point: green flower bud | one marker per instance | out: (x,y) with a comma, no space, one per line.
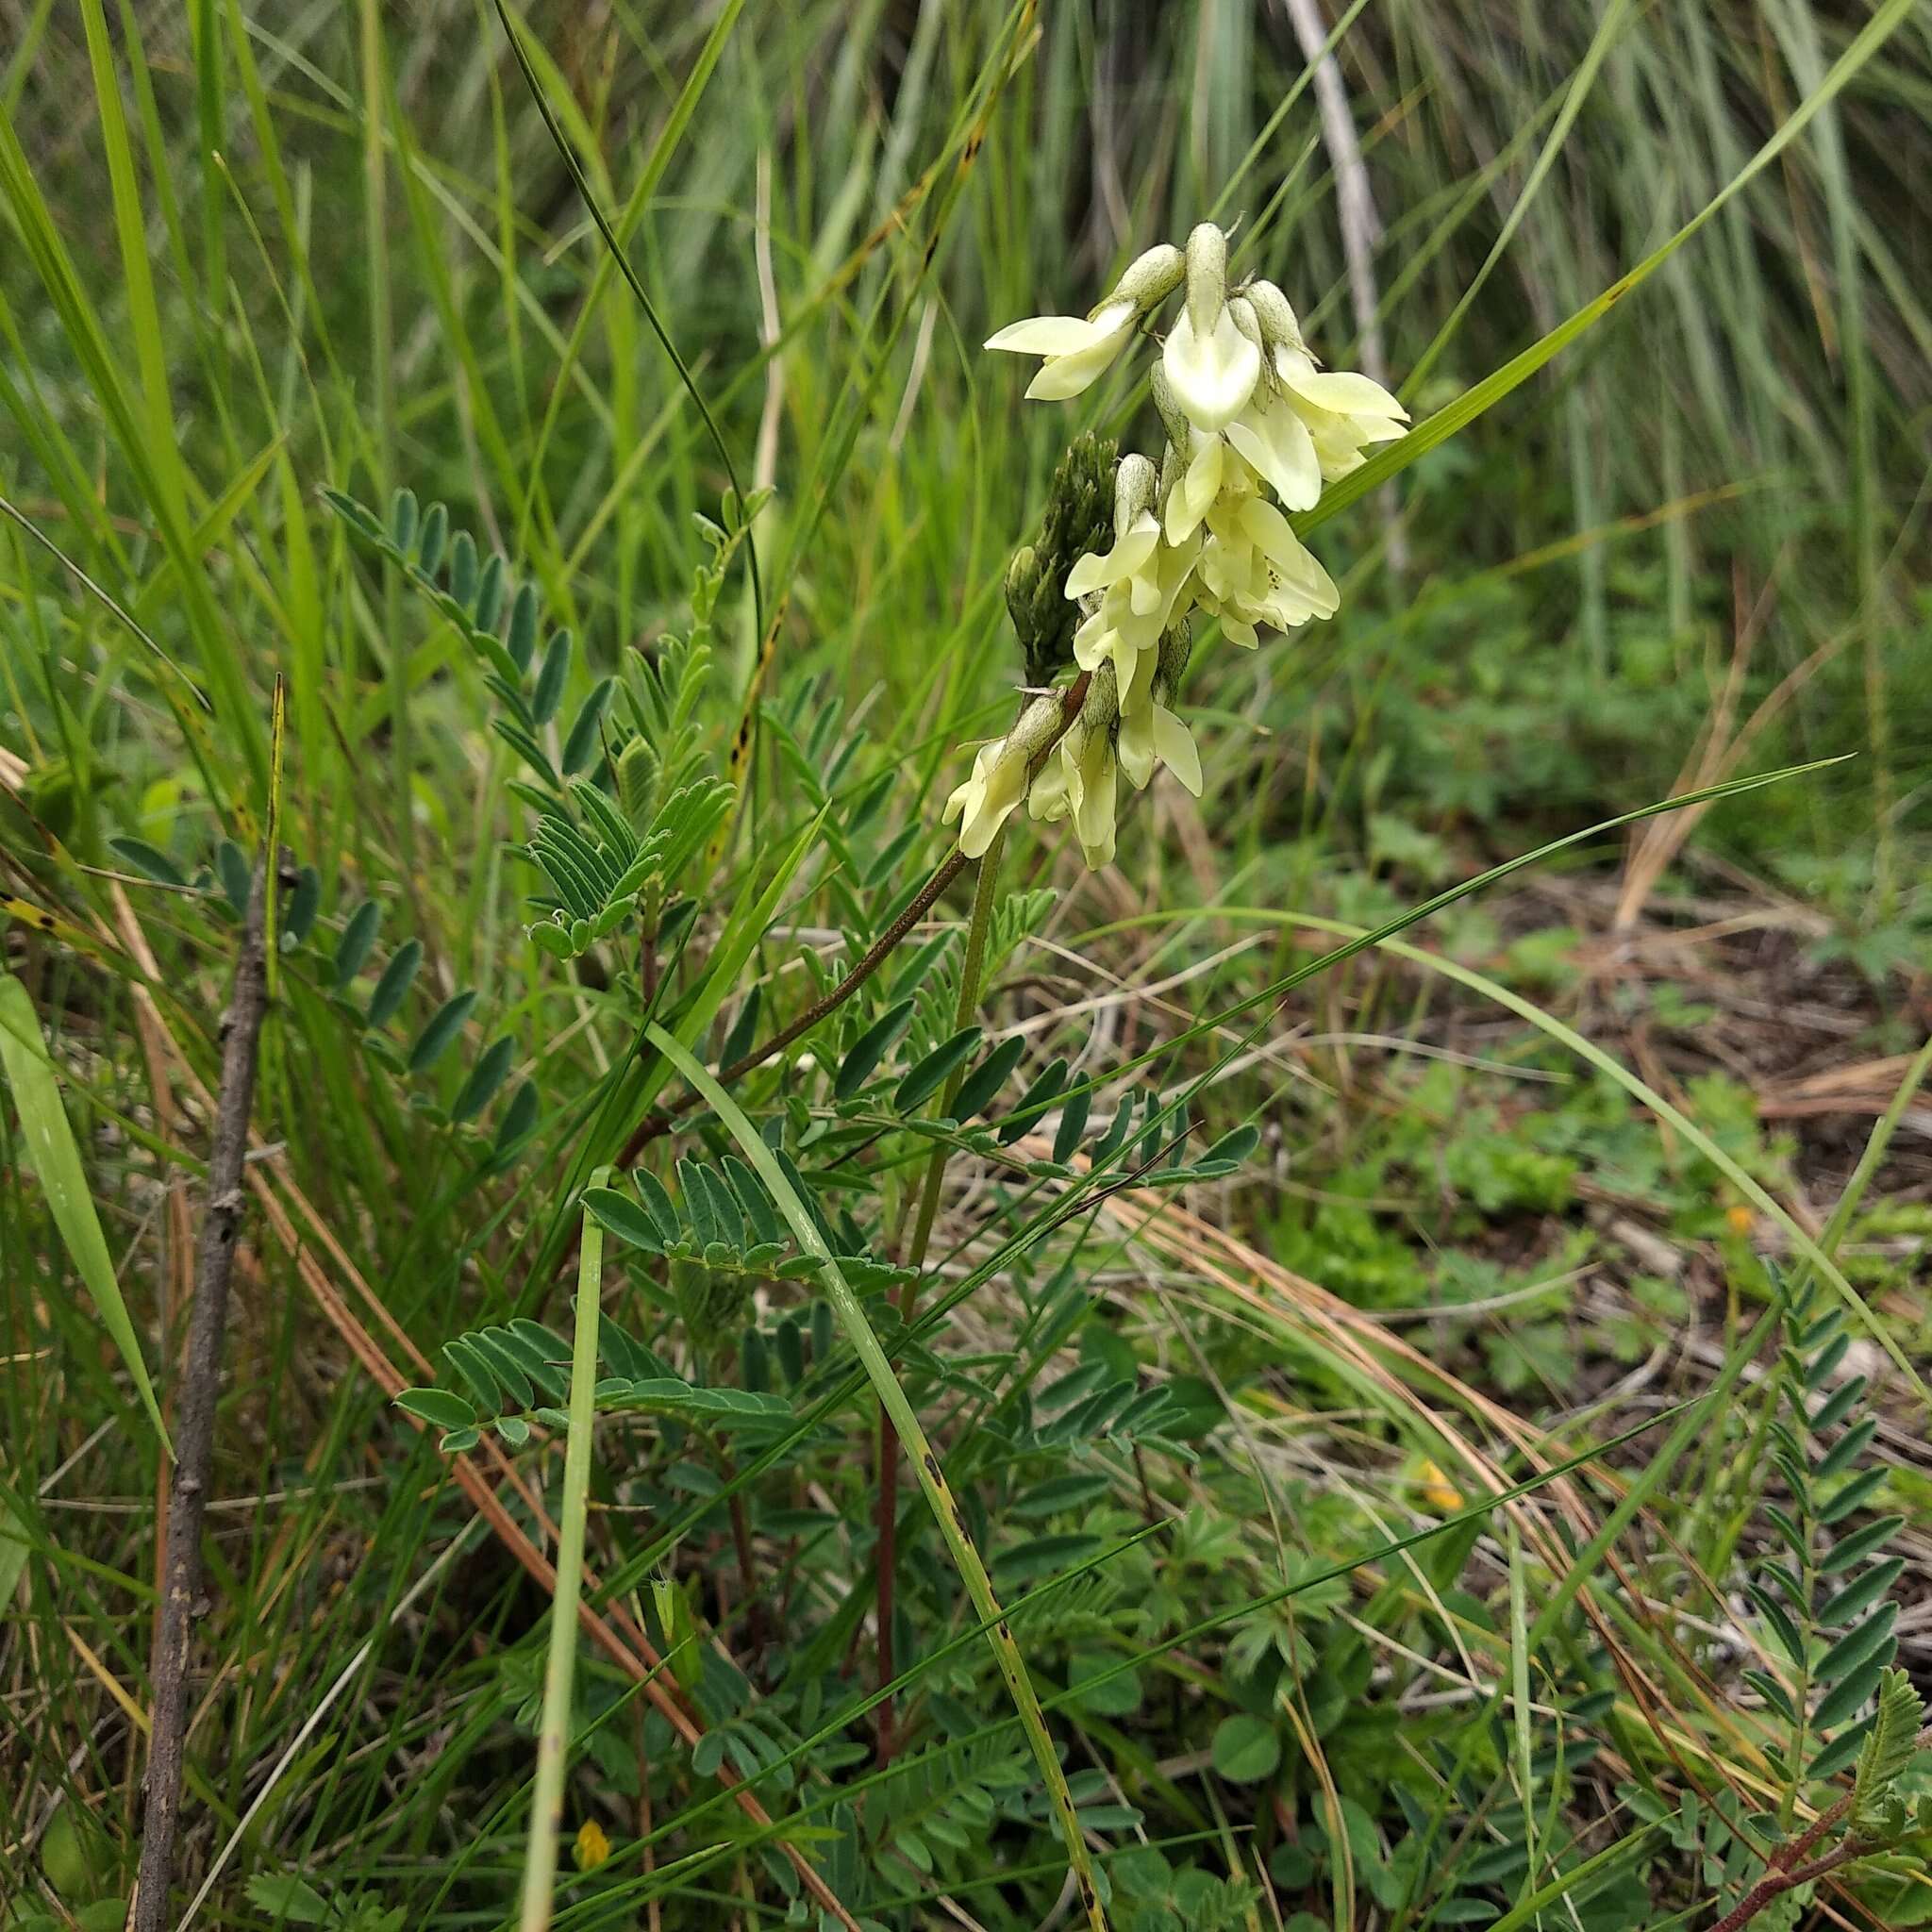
(1248,323)
(1279,329)
(1173,419)
(1177,647)
(1078,519)
(1135,484)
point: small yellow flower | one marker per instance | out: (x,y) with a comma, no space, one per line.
(1254,428)
(1740,1218)
(1342,410)
(1211,363)
(1076,351)
(592,1847)
(999,777)
(1132,589)
(1254,569)
(1152,735)
(1438,1492)
(1077,781)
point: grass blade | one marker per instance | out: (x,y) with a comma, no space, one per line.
(552,1744)
(1484,396)
(931,1478)
(57,1159)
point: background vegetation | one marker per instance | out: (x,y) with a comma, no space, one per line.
(1637,1127)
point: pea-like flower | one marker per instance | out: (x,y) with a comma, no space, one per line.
(999,777)
(1254,570)
(1210,363)
(1255,428)
(1077,350)
(1151,733)
(1133,588)
(1341,411)
(1077,780)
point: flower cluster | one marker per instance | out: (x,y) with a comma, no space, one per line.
(1254,429)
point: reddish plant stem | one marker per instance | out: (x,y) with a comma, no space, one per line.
(1775,1882)
(654,1125)
(756,1624)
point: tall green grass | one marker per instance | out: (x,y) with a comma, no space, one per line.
(252,252)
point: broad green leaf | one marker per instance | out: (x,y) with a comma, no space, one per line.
(440,1033)
(1246,1749)
(622,1215)
(393,987)
(929,1075)
(149,861)
(485,1077)
(871,1046)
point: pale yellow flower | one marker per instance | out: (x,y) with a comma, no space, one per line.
(1133,588)
(1272,437)
(1341,411)
(1210,363)
(998,782)
(1077,351)
(1254,570)
(1254,429)
(1153,735)
(1124,630)
(1077,781)
(1213,373)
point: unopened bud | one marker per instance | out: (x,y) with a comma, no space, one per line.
(1248,323)
(1174,466)
(1279,329)
(1177,647)
(1206,278)
(1135,485)
(1151,279)
(1102,709)
(1035,731)
(1173,419)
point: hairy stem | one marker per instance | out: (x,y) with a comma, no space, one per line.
(1775,1884)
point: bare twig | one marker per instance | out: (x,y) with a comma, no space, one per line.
(195,1428)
